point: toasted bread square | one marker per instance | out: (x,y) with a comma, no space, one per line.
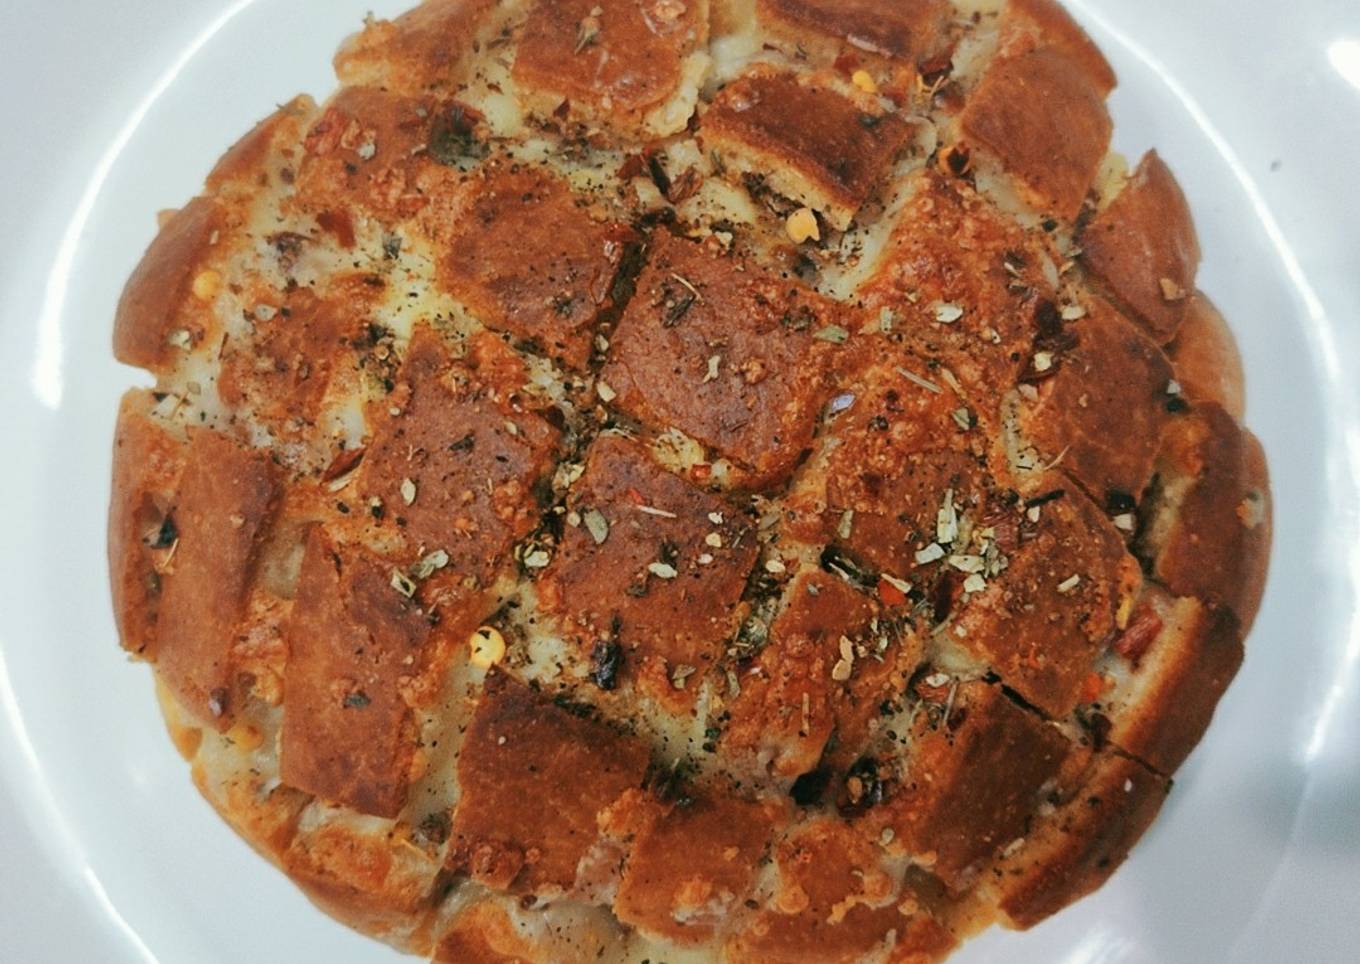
(836,901)
(1075,849)
(1046,23)
(148,462)
(631,66)
(295,343)
(158,300)
(693,866)
(527,259)
(430,47)
(725,352)
(223,510)
(1101,405)
(1144,249)
(1208,528)
(640,569)
(348,736)
(800,689)
(971,778)
(805,141)
(455,459)
(962,281)
(533,780)
(910,31)
(1041,116)
(1041,622)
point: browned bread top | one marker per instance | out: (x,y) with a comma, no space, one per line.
(743,480)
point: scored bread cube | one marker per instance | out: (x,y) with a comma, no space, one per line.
(631,66)
(455,459)
(971,776)
(909,31)
(725,352)
(527,259)
(656,566)
(354,642)
(804,140)
(1041,117)
(801,689)
(533,779)
(1143,248)
(1100,404)
(226,501)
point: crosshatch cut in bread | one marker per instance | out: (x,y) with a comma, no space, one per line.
(688,480)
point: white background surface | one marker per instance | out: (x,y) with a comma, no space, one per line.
(111,111)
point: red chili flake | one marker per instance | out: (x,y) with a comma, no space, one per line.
(702,472)
(343,463)
(635,497)
(1134,641)
(1092,688)
(634,165)
(339,224)
(847,63)
(890,594)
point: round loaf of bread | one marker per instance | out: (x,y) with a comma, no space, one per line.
(744,480)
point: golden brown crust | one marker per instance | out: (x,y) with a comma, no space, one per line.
(1077,848)
(807,141)
(223,510)
(692,866)
(157,301)
(534,779)
(952,255)
(426,48)
(791,703)
(1041,621)
(1208,364)
(454,459)
(147,464)
(615,63)
(639,570)
(970,781)
(1043,118)
(1048,24)
(1210,529)
(835,901)
(691,307)
(1144,249)
(352,642)
(246,167)
(1175,681)
(527,260)
(906,30)
(1103,409)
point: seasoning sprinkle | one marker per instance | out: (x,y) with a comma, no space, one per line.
(929,554)
(408,491)
(1070,583)
(947,313)
(403,583)
(920,382)
(834,334)
(661,513)
(662,570)
(597,525)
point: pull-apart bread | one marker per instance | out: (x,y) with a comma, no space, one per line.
(688,480)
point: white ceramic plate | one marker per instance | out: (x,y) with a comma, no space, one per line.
(112,111)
